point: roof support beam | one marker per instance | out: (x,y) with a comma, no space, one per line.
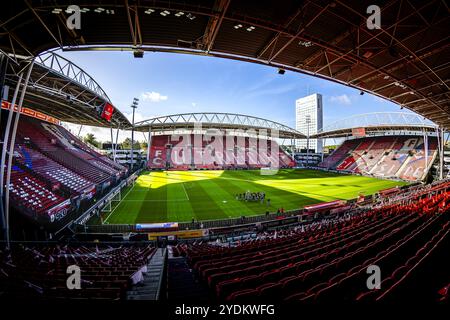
(214,23)
(43,23)
(337,74)
(274,40)
(345,34)
(276,54)
(400,43)
(374,36)
(73,34)
(397,64)
(14,37)
(135,28)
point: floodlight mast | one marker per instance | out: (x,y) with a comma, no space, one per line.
(308,121)
(134,105)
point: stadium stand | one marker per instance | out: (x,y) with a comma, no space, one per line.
(161,155)
(389,157)
(393,158)
(327,261)
(415,166)
(108,271)
(332,161)
(33,196)
(53,170)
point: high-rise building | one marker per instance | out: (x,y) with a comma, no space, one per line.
(309,113)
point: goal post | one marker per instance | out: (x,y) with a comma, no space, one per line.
(115,198)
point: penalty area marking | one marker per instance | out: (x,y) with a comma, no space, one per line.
(185,192)
(173,200)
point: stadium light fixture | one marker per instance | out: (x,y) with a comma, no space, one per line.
(368,54)
(138,53)
(251,28)
(149,11)
(164,13)
(110,12)
(281,71)
(190,16)
(238,26)
(134,105)
(398,84)
(179,14)
(308,122)
(361,93)
(84,10)
(57,10)
(305,44)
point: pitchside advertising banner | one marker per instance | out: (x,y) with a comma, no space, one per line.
(31,113)
(183,234)
(180,234)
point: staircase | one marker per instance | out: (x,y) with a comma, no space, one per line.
(183,284)
(150,287)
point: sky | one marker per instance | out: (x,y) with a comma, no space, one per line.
(169,83)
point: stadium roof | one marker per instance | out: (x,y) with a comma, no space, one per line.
(217,120)
(377,122)
(406,61)
(61,89)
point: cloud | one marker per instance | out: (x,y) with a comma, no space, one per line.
(342,99)
(153,96)
(194,104)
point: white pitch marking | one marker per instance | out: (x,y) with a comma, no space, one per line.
(185,192)
(119,203)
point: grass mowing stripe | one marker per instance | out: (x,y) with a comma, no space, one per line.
(155,196)
(255,207)
(223,193)
(181,209)
(204,203)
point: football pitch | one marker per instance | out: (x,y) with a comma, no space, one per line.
(180,196)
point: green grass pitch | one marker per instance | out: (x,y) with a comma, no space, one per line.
(179,196)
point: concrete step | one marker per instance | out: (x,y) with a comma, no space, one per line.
(150,287)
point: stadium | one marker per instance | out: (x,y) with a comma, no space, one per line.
(226,207)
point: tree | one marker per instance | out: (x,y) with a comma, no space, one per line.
(126,144)
(91,139)
(144,145)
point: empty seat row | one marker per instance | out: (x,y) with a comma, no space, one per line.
(391,156)
(36,271)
